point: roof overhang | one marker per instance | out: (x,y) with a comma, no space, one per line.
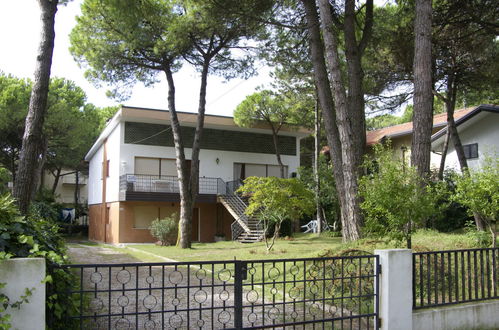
(158,116)
(465,121)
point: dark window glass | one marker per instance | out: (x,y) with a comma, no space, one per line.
(470,150)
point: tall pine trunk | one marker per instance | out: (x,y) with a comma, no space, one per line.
(453,135)
(186,204)
(317,145)
(275,139)
(188,177)
(423,87)
(349,106)
(326,102)
(32,148)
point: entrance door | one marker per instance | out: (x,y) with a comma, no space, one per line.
(195,225)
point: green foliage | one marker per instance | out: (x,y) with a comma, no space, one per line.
(478,238)
(70,127)
(395,201)
(479,190)
(165,230)
(122,42)
(268,107)
(328,196)
(453,215)
(275,200)
(6,303)
(387,120)
(34,236)
(5,177)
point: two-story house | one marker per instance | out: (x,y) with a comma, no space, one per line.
(133,179)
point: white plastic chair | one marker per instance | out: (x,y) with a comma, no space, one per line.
(310,227)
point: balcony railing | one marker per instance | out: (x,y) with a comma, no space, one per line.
(168,184)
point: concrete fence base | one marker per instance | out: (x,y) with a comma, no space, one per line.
(20,274)
(395,303)
(478,315)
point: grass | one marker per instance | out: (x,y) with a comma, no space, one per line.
(305,246)
(300,246)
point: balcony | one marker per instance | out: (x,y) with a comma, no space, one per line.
(142,187)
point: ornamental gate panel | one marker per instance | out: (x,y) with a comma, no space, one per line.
(309,293)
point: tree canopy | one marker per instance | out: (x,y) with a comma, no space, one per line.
(70,127)
(123,42)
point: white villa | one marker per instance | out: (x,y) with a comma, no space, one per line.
(133,179)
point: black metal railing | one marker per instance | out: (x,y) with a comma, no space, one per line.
(339,293)
(454,276)
(233,185)
(167,184)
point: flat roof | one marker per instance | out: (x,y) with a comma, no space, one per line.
(161,116)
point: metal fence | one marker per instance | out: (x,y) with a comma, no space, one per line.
(167,184)
(454,276)
(339,293)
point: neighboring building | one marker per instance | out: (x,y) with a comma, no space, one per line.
(400,136)
(65,190)
(133,178)
(478,131)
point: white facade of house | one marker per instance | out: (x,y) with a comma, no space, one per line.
(213,163)
(481,129)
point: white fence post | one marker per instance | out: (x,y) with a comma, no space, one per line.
(19,274)
(395,309)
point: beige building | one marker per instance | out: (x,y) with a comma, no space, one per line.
(65,190)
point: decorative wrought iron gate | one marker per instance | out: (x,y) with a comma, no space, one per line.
(315,293)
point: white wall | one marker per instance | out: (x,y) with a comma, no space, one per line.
(20,274)
(485,132)
(95,177)
(113,155)
(208,165)
(122,161)
(207,158)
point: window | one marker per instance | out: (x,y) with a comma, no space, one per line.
(156,166)
(470,150)
(242,171)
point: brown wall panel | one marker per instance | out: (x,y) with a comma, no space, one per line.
(120,228)
(129,234)
(96,223)
(207,222)
(227,220)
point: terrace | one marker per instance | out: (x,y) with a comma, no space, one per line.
(145,187)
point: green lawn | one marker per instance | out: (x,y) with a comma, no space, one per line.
(300,246)
(305,246)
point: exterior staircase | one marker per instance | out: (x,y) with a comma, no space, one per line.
(245,229)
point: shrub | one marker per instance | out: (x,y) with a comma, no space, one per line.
(478,191)
(165,230)
(395,200)
(454,215)
(34,236)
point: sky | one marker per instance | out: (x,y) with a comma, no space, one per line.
(19,38)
